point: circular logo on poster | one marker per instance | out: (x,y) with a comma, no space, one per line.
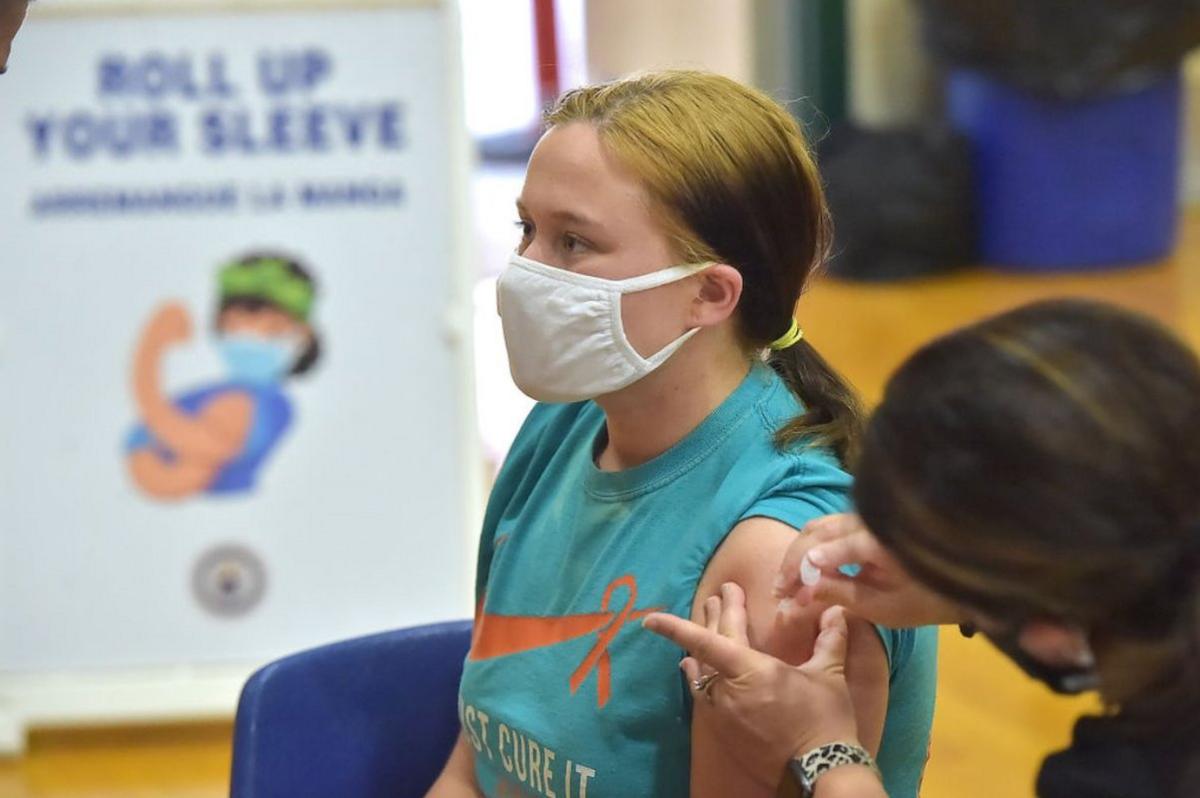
(229,580)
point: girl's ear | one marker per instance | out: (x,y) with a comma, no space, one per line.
(720,289)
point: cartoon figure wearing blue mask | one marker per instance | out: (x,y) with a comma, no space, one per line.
(215,439)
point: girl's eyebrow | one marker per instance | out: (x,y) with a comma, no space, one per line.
(570,217)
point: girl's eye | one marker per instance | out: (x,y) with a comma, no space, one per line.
(573,244)
(525,227)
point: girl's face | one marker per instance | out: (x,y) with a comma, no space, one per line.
(581,211)
(260,345)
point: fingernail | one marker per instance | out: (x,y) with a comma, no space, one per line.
(810,574)
(786,607)
(817,557)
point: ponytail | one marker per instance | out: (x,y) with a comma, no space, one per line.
(833,416)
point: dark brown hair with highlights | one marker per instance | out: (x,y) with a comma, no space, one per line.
(1046,464)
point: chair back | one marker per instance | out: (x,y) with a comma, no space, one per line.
(371,716)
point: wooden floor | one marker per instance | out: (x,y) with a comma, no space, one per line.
(992,725)
(145,762)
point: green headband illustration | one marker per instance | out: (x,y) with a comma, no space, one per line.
(269,280)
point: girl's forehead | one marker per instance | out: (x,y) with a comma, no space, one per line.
(570,172)
(573,150)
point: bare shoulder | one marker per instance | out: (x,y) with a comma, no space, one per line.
(229,405)
(751,556)
(229,415)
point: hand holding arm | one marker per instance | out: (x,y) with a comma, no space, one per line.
(770,711)
(738,582)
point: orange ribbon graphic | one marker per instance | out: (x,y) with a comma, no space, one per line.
(502,635)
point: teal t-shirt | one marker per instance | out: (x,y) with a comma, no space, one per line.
(564,694)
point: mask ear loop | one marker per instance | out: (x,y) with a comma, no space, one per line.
(671,274)
(644,282)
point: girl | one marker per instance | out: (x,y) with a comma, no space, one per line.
(215,439)
(1034,476)
(668,224)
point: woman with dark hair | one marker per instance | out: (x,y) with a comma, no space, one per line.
(12,15)
(215,439)
(1035,477)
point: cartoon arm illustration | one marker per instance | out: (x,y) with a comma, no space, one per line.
(196,445)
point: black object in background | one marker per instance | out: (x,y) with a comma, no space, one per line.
(901,201)
(1064,49)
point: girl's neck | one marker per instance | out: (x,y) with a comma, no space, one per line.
(658,411)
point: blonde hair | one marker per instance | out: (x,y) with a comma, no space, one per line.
(732,179)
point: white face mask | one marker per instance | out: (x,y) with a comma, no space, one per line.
(564,334)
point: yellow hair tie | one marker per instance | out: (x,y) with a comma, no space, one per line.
(789,338)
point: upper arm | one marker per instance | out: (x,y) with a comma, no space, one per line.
(227,418)
(750,556)
(214,435)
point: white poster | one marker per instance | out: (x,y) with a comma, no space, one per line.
(234,332)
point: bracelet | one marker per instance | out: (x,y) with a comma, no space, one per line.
(809,767)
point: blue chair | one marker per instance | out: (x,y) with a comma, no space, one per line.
(371,716)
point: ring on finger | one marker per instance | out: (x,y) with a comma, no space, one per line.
(704,684)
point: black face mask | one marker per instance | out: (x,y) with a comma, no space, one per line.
(1064,679)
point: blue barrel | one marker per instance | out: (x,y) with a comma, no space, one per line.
(1067,185)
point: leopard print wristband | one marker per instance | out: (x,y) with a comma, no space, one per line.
(807,768)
